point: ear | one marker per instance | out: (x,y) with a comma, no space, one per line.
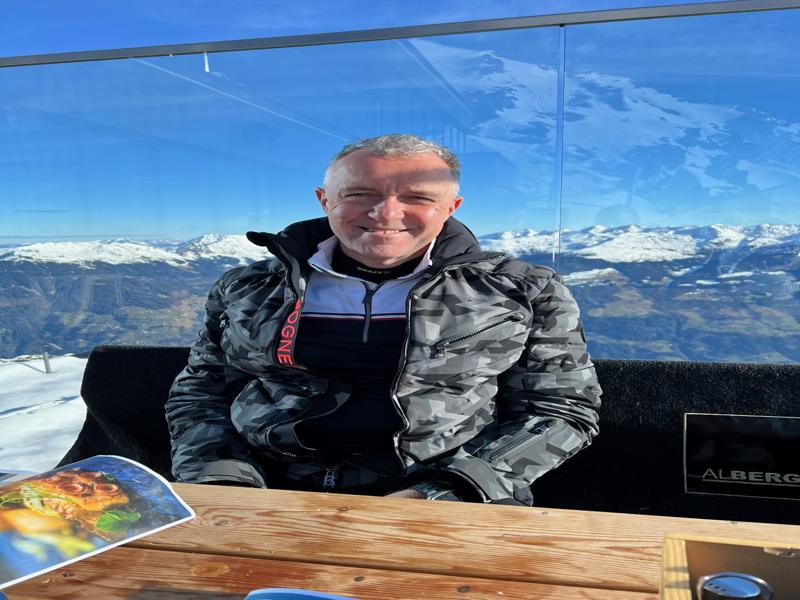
(322,198)
(456,203)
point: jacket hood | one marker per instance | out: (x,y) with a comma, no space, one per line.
(299,240)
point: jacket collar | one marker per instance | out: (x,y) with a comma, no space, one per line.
(322,260)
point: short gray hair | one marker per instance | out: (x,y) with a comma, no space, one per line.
(400,144)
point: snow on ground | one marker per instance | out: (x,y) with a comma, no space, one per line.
(40,413)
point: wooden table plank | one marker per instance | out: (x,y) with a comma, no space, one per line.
(582,549)
(139,574)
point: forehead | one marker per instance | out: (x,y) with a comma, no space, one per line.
(367,169)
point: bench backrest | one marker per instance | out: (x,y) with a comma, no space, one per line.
(125,389)
(635,465)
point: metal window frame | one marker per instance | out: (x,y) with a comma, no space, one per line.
(413,31)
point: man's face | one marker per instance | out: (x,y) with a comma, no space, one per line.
(387,209)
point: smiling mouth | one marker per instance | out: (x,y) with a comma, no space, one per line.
(385,231)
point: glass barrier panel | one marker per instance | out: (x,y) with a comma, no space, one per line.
(127,185)
(680,217)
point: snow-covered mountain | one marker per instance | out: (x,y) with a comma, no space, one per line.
(235,249)
(216,246)
(80,294)
(716,292)
(625,244)
(636,244)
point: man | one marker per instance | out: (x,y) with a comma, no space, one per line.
(382,352)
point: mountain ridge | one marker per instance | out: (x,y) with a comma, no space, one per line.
(625,243)
(714,292)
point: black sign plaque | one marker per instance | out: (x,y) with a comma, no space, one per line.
(742,455)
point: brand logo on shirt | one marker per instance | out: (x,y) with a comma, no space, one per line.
(373,271)
(288,333)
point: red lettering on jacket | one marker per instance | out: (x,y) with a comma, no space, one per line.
(288,333)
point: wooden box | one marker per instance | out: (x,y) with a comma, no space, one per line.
(686,558)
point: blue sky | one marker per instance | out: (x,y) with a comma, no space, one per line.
(667,122)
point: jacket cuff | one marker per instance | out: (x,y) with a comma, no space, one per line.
(234,471)
(476,474)
(436,490)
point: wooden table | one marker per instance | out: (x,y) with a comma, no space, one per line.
(380,548)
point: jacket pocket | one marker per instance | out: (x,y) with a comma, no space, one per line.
(517,445)
(439,349)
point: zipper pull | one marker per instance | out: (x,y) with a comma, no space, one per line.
(329,481)
(440,349)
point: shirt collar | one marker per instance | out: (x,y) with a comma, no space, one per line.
(321,260)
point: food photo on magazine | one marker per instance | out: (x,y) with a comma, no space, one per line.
(51,519)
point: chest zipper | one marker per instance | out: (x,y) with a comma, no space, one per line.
(440,347)
(368,294)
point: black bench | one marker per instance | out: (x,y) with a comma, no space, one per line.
(635,465)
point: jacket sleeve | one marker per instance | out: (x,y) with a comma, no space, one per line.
(546,406)
(206,447)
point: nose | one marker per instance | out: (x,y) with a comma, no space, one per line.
(388,209)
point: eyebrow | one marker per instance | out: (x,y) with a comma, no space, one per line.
(421,192)
(357,188)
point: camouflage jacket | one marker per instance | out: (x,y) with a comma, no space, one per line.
(494,385)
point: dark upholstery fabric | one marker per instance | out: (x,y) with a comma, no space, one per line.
(125,389)
(635,465)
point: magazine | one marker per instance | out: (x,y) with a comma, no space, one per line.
(52,519)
